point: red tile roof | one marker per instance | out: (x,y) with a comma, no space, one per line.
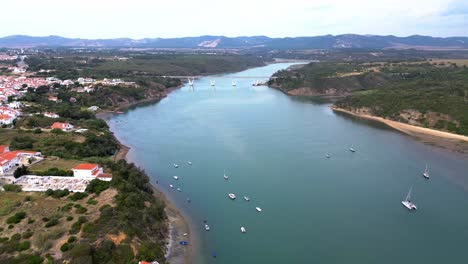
(85,166)
(8,155)
(59,125)
(105,175)
(3,148)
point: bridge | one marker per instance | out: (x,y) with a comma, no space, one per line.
(217,77)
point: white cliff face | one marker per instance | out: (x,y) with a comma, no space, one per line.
(209,43)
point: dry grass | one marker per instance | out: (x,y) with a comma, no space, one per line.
(46,240)
(54,162)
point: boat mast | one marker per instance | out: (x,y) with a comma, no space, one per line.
(408,197)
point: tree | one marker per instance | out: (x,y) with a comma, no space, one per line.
(20,171)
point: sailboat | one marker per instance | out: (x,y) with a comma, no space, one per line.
(225,176)
(352,149)
(407,202)
(426,173)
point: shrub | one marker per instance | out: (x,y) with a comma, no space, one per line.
(45,219)
(16,237)
(28,198)
(69,218)
(12,188)
(97,186)
(78,196)
(81,210)
(23,246)
(10,226)
(57,193)
(55,172)
(52,222)
(30,221)
(67,207)
(16,218)
(92,202)
(71,239)
(66,247)
(3,239)
(27,234)
(37,131)
(25,259)
(57,131)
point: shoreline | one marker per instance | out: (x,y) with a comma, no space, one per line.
(177,224)
(454,142)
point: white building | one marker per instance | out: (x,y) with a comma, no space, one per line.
(62,126)
(87,171)
(51,115)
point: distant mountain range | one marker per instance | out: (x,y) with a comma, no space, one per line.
(221,42)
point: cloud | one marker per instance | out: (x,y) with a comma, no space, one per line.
(176,18)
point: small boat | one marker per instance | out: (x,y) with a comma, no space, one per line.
(426,173)
(352,149)
(225,176)
(328,156)
(246,198)
(258,209)
(188,200)
(189,162)
(183,243)
(407,202)
(176,166)
(207,227)
(243,229)
(232,196)
(179,190)
(170,185)
(176,178)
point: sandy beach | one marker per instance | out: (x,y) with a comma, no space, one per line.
(455,142)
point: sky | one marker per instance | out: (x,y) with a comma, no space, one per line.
(176,18)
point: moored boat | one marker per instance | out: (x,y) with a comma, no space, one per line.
(258,209)
(176,177)
(426,173)
(207,227)
(246,198)
(243,230)
(232,196)
(407,202)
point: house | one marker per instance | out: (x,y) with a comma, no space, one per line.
(87,171)
(104,177)
(8,160)
(51,115)
(146,262)
(93,108)
(53,98)
(6,119)
(4,148)
(62,126)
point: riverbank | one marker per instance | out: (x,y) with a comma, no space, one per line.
(454,142)
(179,229)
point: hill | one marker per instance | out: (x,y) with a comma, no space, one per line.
(222,42)
(431,94)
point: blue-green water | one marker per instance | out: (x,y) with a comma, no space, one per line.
(346,209)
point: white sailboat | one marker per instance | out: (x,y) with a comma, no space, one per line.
(243,230)
(426,173)
(352,149)
(232,196)
(234,83)
(407,202)
(258,209)
(176,178)
(207,227)
(225,176)
(176,166)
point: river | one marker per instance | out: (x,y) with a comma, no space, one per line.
(345,209)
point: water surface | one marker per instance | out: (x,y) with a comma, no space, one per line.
(346,209)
